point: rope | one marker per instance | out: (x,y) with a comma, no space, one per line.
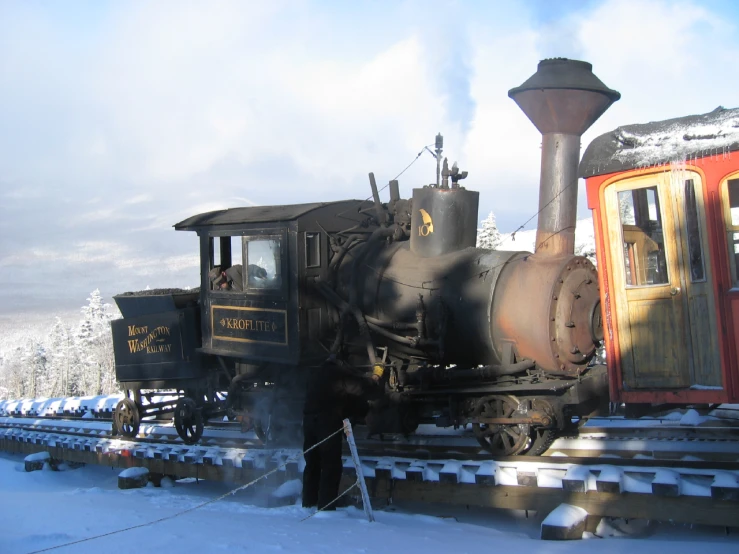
(356,484)
(201,505)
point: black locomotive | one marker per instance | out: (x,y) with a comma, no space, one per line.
(503,341)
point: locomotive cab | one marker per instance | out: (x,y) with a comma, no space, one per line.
(262,319)
(257,266)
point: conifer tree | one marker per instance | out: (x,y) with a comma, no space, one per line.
(488,236)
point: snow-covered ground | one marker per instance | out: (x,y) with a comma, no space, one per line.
(43,509)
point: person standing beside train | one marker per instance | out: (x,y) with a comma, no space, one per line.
(333,393)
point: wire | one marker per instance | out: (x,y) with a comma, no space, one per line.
(396,177)
(410,164)
(520,228)
(202,504)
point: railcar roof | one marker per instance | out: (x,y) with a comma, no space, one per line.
(263,214)
(660,142)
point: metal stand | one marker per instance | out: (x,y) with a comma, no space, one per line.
(358,466)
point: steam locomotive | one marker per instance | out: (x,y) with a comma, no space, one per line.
(502,341)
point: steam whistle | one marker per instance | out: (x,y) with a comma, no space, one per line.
(438,147)
(456,175)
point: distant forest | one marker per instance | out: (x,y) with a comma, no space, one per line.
(63,360)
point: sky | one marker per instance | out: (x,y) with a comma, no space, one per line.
(119,119)
(93,505)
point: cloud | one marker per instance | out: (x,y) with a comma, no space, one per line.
(138,199)
(123,120)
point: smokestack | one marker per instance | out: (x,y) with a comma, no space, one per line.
(562,99)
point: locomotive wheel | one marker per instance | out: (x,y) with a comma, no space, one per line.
(126,418)
(541,439)
(188,420)
(500,440)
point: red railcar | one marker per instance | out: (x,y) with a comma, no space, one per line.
(665,202)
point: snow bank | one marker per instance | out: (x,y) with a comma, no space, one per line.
(692,417)
(46,509)
(565,515)
(38,457)
(289,488)
(133,472)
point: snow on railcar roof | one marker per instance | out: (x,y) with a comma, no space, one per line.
(657,143)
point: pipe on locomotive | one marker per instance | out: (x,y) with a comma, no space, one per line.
(562,99)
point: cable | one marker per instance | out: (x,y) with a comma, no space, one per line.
(211,501)
(409,165)
(396,177)
(520,228)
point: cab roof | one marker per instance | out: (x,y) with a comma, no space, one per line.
(268,214)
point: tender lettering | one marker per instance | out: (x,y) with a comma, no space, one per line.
(157,348)
(133,330)
(258,325)
(154,343)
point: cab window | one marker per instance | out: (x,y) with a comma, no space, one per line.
(226,273)
(263,256)
(643,238)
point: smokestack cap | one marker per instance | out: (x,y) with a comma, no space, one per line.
(563,96)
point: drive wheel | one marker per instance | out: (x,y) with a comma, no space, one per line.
(126,418)
(541,439)
(500,439)
(188,420)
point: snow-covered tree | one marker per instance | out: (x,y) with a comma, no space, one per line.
(36,375)
(14,373)
(626,208)
(95,368)
(488,235)
(588,251)
(62,358)
(62,361)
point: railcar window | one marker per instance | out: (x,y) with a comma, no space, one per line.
(643,238)
(264,262)
(733,226)
(695,249)
(312,250)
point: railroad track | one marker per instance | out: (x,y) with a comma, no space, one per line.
(663,438)
(618,444)
(685,490)
(96,438)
